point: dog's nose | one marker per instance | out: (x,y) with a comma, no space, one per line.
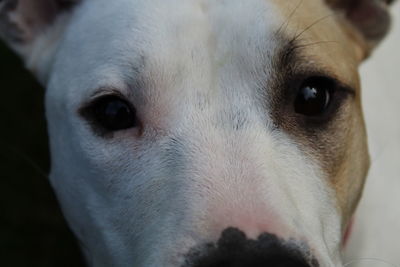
(234,250)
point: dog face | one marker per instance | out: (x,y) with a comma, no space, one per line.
(203,133)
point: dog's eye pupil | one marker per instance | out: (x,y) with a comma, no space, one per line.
(113,113)
(314,97)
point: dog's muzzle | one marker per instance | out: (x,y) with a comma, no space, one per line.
(233,249)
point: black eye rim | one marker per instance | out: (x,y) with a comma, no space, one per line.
(339,93)
(89,112)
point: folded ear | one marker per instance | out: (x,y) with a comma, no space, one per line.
(27,24)
(368,21)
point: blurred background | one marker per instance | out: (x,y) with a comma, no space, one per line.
(376,232)
(32,229)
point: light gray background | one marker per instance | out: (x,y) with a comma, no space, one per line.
(376,231)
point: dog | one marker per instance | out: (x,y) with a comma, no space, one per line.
(207,132)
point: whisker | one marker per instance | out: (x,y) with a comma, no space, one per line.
(293,47)
(287,21)
(297,36)
(315,43)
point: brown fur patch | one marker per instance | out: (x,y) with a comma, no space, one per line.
(322,47)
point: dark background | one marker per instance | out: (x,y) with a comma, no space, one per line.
(33,231)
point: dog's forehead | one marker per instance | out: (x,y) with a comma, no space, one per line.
(167,43)
(175,46)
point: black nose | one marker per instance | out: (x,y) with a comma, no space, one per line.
(233,249)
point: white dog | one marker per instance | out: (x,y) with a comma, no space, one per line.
(203,133)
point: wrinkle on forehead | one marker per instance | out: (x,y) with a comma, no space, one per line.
(212,54)
(192,42)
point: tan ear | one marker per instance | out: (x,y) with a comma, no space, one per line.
(368,21)
(22,22)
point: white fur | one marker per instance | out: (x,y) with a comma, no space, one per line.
(210,157)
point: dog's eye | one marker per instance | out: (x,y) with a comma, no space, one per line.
(112,113)
(314,96)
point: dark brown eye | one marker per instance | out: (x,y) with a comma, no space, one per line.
(112,113)
(314,96)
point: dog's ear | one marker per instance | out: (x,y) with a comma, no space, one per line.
(367,21)
(25,23)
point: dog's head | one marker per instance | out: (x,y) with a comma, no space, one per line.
(203,133)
